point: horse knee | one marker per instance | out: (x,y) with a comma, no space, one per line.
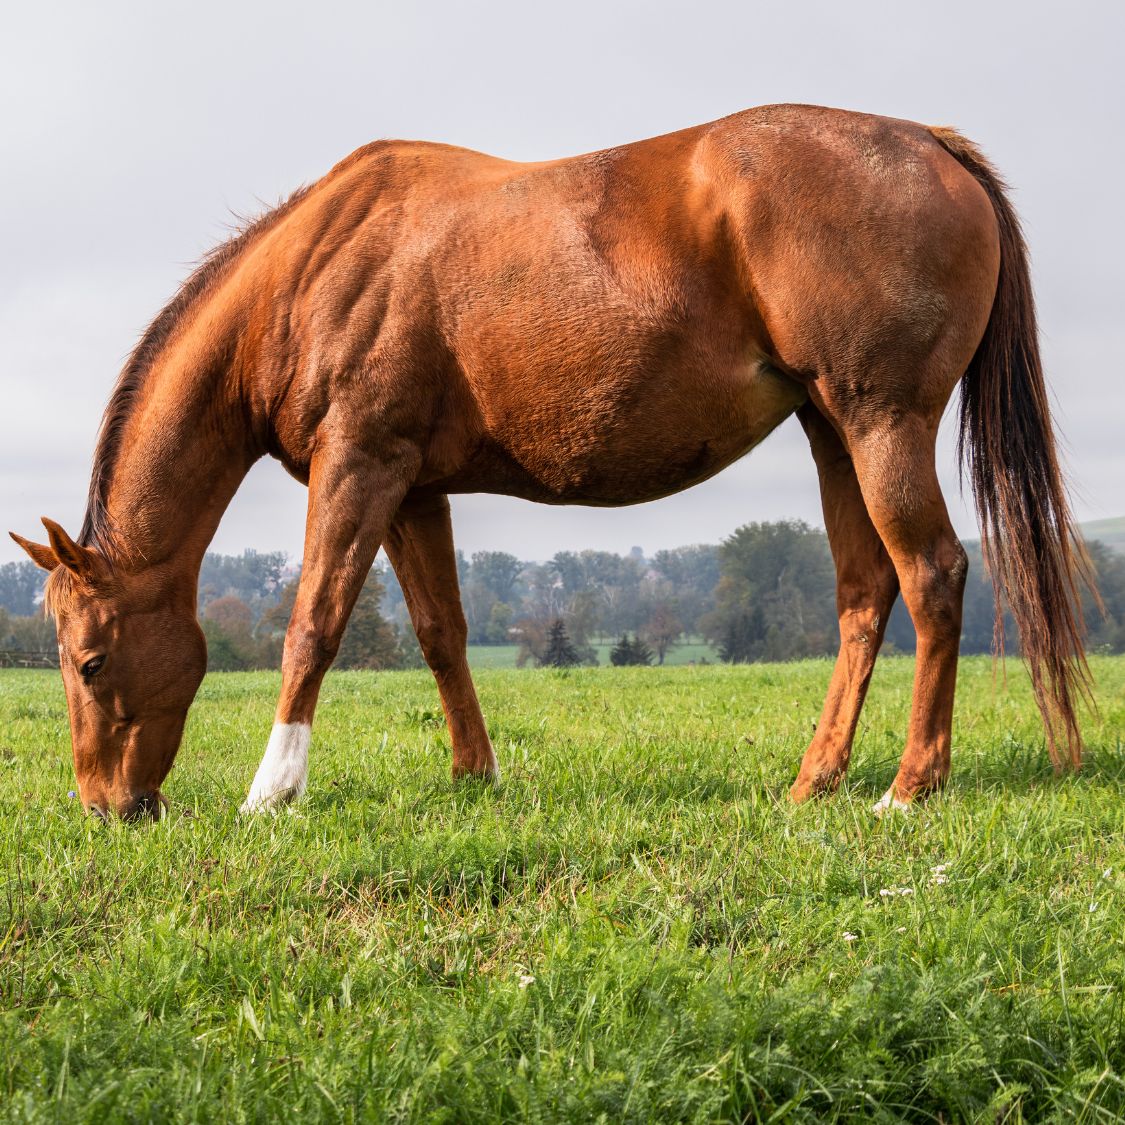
(308,651)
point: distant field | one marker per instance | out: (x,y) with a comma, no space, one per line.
(1111,532)
(504,656)
(635,926)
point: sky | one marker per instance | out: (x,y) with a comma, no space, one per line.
(131,133)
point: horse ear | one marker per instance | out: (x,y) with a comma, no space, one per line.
(40,555)
(80,561)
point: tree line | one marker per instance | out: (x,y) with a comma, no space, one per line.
(766,593)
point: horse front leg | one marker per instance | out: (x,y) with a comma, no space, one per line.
(352,499)
(420,547)
(866,588)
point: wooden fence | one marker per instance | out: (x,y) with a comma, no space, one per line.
(10,658)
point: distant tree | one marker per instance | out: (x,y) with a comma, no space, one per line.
(692,575)
(228,626)
(224,652)
(255,577)
(574,572)
(232,613)
(743,634)
(409,649)
(611,582)
(32,633)
(275,620)
(546,594)
(530,633)
(663,627)
(498,572)
(559,652)
(776,599)
(491,579)
(499,624)
(369,640)
(582,623)
(21,586)
(1106,633)
(630,652)
(394,601)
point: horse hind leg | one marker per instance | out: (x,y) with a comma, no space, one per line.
(895,469)
(420,547)
(866,588)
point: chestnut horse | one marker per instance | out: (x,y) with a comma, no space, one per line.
(605,330)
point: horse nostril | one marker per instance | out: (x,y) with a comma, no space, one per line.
(148,806)
(96,811)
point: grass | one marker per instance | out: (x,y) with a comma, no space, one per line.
(636,926)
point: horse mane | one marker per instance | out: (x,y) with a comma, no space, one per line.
(97,528)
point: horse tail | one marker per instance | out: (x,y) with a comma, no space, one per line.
(1030,544)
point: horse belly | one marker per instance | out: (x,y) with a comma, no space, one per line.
(606,450)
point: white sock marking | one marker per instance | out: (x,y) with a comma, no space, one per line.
(889,801)
(282,775)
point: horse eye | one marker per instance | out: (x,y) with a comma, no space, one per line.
(92,667)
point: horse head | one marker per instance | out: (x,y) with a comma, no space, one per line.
(132,657)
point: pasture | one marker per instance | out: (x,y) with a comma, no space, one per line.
(635,926)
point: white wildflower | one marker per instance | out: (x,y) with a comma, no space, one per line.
(526,980)
(890,892)
(849,936)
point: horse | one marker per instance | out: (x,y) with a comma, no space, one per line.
(604,329)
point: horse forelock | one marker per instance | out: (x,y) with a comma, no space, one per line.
(97,528)
(58,592)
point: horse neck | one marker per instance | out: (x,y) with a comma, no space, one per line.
(184,450)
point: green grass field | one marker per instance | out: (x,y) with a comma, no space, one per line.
(634,927)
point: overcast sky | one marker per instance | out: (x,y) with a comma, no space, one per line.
(129,133)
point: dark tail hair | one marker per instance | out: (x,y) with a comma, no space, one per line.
(1032,549)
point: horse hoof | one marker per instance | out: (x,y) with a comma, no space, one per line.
(823,786)
(888,802)
(272,803)
(490,773)
(799,792)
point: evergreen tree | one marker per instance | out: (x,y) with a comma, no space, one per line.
(559,653)
(629,653)
(369,640)
(621,655)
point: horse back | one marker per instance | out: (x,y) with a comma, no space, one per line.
(608,327)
